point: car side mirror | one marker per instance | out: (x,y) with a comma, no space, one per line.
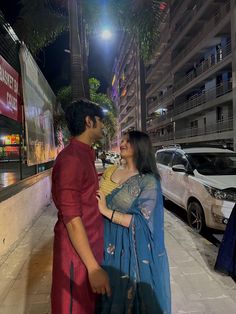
(179,168)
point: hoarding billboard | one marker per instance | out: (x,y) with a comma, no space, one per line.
(39,101)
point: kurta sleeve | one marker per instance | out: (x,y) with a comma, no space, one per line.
(67,177)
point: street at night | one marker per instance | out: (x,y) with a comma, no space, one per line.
(117,157)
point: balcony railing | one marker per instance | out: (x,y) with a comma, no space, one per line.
(204,66)
(200,99)
(201,68)
(188,17)
(128,101)
(126,114)
(130,123)
(208,27)
(204,97)
(219,127)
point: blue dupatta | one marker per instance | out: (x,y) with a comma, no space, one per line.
(135,257)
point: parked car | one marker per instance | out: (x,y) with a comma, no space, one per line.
(113,158)
(200,180)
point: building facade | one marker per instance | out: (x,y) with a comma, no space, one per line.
(128,88)
(191,82)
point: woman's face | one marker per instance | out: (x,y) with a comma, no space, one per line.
(126,150)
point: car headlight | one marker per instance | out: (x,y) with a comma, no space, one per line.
(221,194)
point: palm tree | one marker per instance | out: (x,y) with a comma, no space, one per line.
(41,21)
(77,80)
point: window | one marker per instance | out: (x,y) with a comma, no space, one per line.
(180,160)
(194,124)
(164,158)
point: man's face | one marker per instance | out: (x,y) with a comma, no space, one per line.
(97,129)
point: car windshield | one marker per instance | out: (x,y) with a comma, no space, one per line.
(214,163)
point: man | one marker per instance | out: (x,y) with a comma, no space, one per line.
(78,242)
(103,157)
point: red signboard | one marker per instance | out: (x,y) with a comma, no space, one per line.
(9,87)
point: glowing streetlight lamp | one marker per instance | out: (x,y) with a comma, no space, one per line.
(106,34)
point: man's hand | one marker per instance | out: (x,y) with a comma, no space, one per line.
(99,281)
(101,198)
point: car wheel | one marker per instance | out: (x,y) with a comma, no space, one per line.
(196,218)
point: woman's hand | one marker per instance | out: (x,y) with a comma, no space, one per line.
(102,205)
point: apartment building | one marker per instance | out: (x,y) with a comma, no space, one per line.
(191,82)
(128,86)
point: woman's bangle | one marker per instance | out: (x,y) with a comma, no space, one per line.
(113,212)
(118,218)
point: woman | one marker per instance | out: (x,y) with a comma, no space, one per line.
(226,259)
(135,256)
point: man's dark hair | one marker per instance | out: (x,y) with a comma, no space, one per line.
(143,153)
(76,113)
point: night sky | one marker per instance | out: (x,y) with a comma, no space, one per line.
(54,61)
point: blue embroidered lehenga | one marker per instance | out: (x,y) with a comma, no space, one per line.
(135,257)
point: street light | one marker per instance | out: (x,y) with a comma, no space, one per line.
(106,34)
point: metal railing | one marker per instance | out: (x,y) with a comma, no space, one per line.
(129,99)
(208,27)
(219,127)
(204,97)
(204,66)
(128,124)
(126,114)
(200,99)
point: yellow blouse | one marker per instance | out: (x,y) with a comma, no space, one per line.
(106,183)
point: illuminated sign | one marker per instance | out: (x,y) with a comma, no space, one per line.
(9,97)
(11,139)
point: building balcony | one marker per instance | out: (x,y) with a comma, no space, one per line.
(159,67)
(213,132)
(130,123)
(155,122)
(191,18)
(210,29)
(152,106)
(205,97)
(212,25)
(128,103)
(126,115)
(163,78)
(124,54)
(203,67)
(177,10)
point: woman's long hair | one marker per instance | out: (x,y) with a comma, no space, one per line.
(143,153)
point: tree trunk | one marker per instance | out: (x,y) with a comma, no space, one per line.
(77,83)
(84,52)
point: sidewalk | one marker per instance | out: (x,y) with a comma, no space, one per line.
(26,272)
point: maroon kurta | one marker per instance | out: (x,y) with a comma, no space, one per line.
(74,186)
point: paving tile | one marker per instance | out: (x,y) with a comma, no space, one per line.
(196,288)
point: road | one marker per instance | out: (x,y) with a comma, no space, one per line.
(214,236)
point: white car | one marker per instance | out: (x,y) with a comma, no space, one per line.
(114,158)
(200,180)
